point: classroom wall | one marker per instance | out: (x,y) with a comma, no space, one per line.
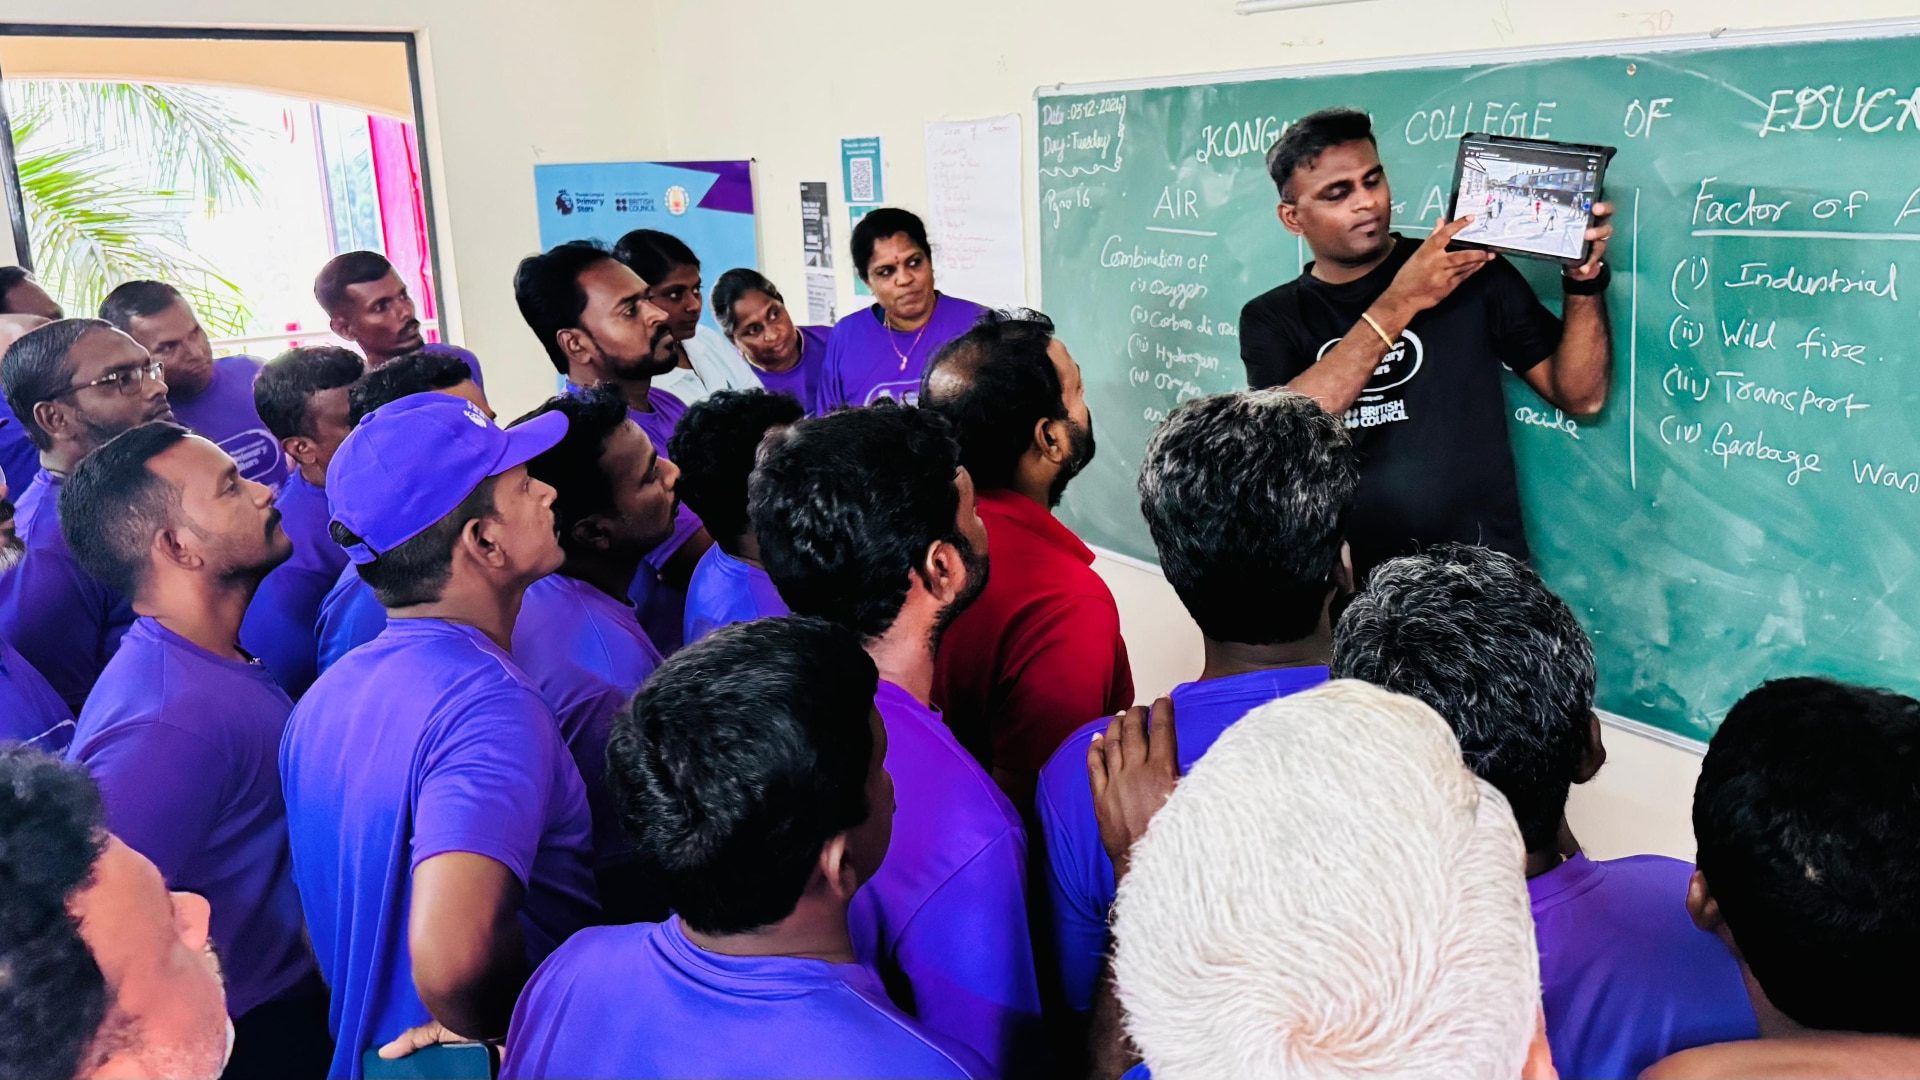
(783,82)
(505,85)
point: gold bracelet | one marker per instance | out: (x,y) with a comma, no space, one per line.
(1376,329)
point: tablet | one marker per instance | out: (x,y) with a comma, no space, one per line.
(1528,197)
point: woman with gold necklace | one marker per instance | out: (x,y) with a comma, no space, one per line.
(880,351)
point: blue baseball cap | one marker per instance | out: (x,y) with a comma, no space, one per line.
(413,461)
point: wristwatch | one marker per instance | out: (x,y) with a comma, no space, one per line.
(1594,287)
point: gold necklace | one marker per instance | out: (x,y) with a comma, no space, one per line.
(887,320)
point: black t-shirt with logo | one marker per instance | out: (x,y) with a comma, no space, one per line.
(1431,426)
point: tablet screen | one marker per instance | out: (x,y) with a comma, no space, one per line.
(1536,199)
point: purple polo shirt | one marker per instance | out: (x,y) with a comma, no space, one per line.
(802,380)
(30,712)
(350,616)
(643,1001)
(225,415)
(725,591)
(185,746)
(947,911)
(864,358)
(64,622)
(425,741)
(1079,876)
(19,458)
(1626,977)
(585,653)
(281,620)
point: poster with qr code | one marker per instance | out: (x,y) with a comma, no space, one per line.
(860,170)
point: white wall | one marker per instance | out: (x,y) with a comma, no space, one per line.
(782,82)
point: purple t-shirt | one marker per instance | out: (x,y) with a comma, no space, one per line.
(864,357)
(946,914)
(1079,876)
(30,712)
(350,616)
(63,621)
(279,628)
(19,458)
(185,746)
(725,591)
(585,653)
(224,413)
(427,740)
(643,1001)
(802,380)
(1625,976)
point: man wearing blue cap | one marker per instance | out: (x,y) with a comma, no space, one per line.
(440,832)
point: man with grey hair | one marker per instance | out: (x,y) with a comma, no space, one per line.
(1474,633)
(1328,892)
(1246,495)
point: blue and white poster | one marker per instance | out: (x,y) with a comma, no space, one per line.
(707,204)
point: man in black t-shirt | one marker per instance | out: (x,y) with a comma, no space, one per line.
(1407,340)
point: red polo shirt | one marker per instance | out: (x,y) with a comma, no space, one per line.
(1039,653)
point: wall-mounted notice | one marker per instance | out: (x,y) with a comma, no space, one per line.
(707,204)
(973,202)
(816,243)
(860,171)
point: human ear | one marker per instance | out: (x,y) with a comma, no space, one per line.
(1595,754)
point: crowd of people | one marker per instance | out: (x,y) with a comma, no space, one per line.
(745,711)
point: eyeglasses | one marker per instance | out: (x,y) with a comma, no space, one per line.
(126,380)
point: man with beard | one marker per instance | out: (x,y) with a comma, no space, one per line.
(592,315)
(18,456)
(30,712)
(578,637)
(182,731)
(368,304)
(213,397)
(75,384)
(866,518)
(1042,649)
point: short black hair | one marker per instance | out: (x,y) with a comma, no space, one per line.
(547,288)
(9,277)
(36,369)
(846,505)
(1247,497)
(350,268)
(1308,137)
(742,756)
(1805,818)
(1478,636)
(999,381)
(417,571)
(714,446)
(284,389)
(733,285)
(112,504)
(572,467)
(882,223)
(415,373)
(54,997)
(654,254)
(137,299)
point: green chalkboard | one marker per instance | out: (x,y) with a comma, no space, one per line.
(1748,505)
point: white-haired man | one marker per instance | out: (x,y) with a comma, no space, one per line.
(1328,892)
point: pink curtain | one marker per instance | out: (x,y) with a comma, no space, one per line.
(403,211)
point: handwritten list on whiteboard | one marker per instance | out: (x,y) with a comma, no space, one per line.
(973,186)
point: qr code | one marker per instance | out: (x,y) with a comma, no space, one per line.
(860,180)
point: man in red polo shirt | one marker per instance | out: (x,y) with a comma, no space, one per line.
(1040,651)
